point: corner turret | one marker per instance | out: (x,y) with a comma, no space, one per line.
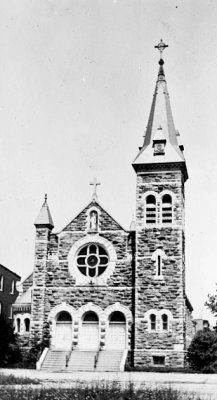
(44,218)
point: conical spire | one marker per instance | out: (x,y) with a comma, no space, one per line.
(133,224)
(160,118)
(44,217)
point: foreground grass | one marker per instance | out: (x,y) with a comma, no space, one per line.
(101,392)
(13,380)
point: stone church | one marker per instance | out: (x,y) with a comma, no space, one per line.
(101,296)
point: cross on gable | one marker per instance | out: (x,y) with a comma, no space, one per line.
(94,184)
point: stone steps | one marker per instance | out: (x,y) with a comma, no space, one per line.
(109,360)
(82,360)
(55,360)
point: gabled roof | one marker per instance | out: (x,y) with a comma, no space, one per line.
(44,216)
(160,126)
(25,298)
(9,270)
(93,203)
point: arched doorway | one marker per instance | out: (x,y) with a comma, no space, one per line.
(89,333)
(63,332)
(116,332)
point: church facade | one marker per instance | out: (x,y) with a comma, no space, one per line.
(97,287)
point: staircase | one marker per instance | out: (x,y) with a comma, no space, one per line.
(109,360)
(82,360)
(55,360)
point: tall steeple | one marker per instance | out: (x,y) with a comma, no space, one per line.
(160,142)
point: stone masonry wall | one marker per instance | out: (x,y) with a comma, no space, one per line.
(166,293)
(55,284)
(39,282)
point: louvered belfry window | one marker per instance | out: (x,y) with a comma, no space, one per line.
(164,322)
(150,209)
(166,209)
(153,322)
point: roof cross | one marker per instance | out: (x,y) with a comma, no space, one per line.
(94,184)
(161,47)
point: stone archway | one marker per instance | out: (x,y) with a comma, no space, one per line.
(118,322)
(89,333)
(116,331)
(61,318)
(63,331)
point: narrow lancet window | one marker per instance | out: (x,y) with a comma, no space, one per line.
(164,322)
(159,262)
(150,209)
(166,209)
(153,322)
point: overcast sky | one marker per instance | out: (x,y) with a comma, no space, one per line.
(76,84)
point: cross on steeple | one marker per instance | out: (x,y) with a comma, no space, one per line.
(94,184)
(161,47)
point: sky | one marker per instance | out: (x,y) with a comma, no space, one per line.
(77,79)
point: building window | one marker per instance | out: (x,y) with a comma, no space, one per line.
(1,283)
(166,209)
(27,324)
(164,319)
(153,322)
(12,287)
(158,257)
(64,316)
(18,325)
(90,318)
(159,265)
(92,260)
(0,308)
(10,312)
(150,209)
(158,360)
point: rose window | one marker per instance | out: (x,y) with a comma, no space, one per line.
(92,260)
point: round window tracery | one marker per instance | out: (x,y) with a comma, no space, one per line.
(92,260)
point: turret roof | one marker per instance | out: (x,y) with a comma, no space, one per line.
(44,216)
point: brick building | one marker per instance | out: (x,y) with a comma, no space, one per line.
(104,295)
(8,291)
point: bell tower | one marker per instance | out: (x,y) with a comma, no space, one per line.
(160,299)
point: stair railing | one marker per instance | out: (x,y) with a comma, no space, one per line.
(97,357)
(68,357)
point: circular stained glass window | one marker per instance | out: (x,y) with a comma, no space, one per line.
(92,260)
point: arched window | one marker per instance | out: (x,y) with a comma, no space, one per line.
(159,265)
(153,322)
(150,209)
(166,209)
(18,324)
(64,316)
(90,318)
(117,317)
(164,318)
(27,324)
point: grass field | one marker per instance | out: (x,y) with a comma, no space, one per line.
(29,390)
